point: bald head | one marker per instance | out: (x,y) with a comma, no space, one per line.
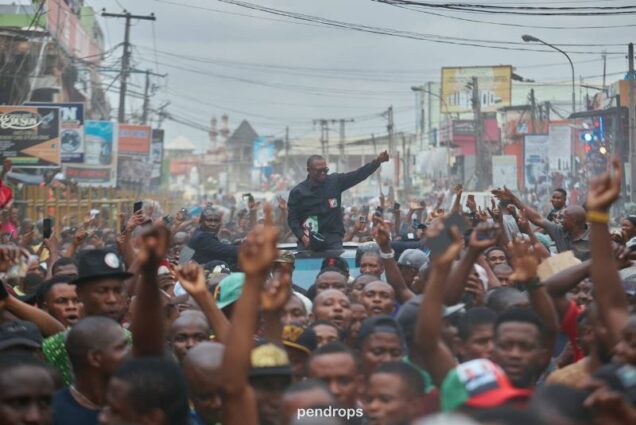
(202,369)
(205,358)
(574,217)
(94,334)
(186,332)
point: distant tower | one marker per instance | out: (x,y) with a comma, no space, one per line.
(225,129)
(213,134)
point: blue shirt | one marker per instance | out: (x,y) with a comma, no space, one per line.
(67,411)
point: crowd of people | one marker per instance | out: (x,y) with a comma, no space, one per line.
(454,315)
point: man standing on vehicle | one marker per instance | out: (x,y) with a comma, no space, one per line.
(314,205)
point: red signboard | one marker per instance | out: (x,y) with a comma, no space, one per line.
(134,140)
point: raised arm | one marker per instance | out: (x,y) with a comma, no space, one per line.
(436,357)
(147,316)
(352,178)
(46,323)
(192,279)
(506,195)
(525,262)
(393,275)
(558,285)
(255,258)
(482,237)
(608,288)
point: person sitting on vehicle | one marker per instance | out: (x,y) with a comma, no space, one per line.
(206,243)
(315,207)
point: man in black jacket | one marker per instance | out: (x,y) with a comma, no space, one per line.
(314,205)
(206,244)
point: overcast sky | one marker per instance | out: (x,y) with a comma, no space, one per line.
(275,71)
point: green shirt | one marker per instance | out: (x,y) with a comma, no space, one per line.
(54,349)
(428,381)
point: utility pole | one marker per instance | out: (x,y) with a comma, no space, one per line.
(324,136)
(144,117)
(125,61)
(533,115)
(631,98)
(483,158)
(342,160)
(375,155)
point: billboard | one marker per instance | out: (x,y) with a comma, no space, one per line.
(504,171)
(100,156)
(560,147)
(495,88)
(536,159)
(30,136)
(134,141)
(263,152)
(156,155)
(71,130)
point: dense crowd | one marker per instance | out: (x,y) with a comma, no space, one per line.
(458,315)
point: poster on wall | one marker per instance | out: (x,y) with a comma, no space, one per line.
(560,147)
(504,171)
(134,141)
(30,136)
(71,130)
(156,156)
(495,88)
(536,159)
(100,156)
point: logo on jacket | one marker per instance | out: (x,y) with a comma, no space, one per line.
(333,203)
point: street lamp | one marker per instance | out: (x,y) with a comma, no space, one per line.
(529,39)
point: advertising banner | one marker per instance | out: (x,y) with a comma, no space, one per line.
(100,156)
(30,136)
(560,147)
(495,88)
(134,141)
(263,152)
(504,171)
(71,130)
(156,154)
(536,159)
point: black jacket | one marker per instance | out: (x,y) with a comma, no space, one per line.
(208,247)
(324,202)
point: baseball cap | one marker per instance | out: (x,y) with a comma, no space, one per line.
(19,333)
(335,262)
(621,378)
(297,337)
(413,258)
(478,383)
(286,257)
(229,289)
(268,359)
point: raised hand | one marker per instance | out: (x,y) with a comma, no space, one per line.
(9,255)
(282,203)
(482,215)
(475,287)
(524,260)
(523,223)
(276,292)
(192,279)
(137,219)
(155,243)
(458,190)
(503,194)
(259,248)
(50,244)
(494,212)
(484,236)
(383,157)
(80,236)
(382,233)
(471,204)
(605,189)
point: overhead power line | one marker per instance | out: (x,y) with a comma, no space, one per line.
(433,38)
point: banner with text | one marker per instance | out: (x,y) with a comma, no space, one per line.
(71,130)
(504,171)
(560,147)
(495,88)
(156,156)
(536,159)
(134,141)
(30,136)
(100,158)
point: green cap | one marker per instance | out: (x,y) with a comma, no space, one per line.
(229,289)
